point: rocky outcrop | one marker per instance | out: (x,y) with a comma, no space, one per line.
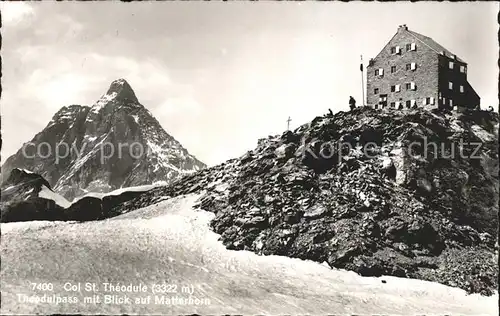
(115,143)
(359,191)
(27,196)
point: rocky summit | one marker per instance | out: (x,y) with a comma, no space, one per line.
(113,144)
(410,193)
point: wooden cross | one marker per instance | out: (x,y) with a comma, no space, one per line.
(288,123)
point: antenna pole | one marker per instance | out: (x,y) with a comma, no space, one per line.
(362,81)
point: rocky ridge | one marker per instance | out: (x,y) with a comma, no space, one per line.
(374,209)
(27,196)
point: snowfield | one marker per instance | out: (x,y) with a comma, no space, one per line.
(48,194)
(140,188)
(172,243)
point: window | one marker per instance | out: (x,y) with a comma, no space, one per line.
(379,72)
(408,47)
(393,69)
(428,100)
(413,46)
(375,91)
(462,69)
(393,104)
(450,85)
(410,86)
(398,104)
(395,50)
(451,64)
(408,104)
(413,103)
(396,88)
(411,66)
(462,89)
(451,103)
(444,100)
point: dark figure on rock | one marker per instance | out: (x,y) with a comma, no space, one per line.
(352,103)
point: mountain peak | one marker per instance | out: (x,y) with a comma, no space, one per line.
(122,89)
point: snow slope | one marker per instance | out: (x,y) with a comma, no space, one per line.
(48,194)
(139,188)
(170,242)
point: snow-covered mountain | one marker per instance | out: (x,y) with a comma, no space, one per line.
(113,144)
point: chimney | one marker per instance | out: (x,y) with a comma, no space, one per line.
(402,27)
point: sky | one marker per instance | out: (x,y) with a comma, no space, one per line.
(219,75)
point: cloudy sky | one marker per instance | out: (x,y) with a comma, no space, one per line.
(218,76)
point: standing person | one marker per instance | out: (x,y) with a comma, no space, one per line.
(352,103)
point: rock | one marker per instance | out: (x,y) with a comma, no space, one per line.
(315,211)
(388,168)
(285,151)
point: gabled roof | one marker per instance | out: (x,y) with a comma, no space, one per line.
(429,42)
